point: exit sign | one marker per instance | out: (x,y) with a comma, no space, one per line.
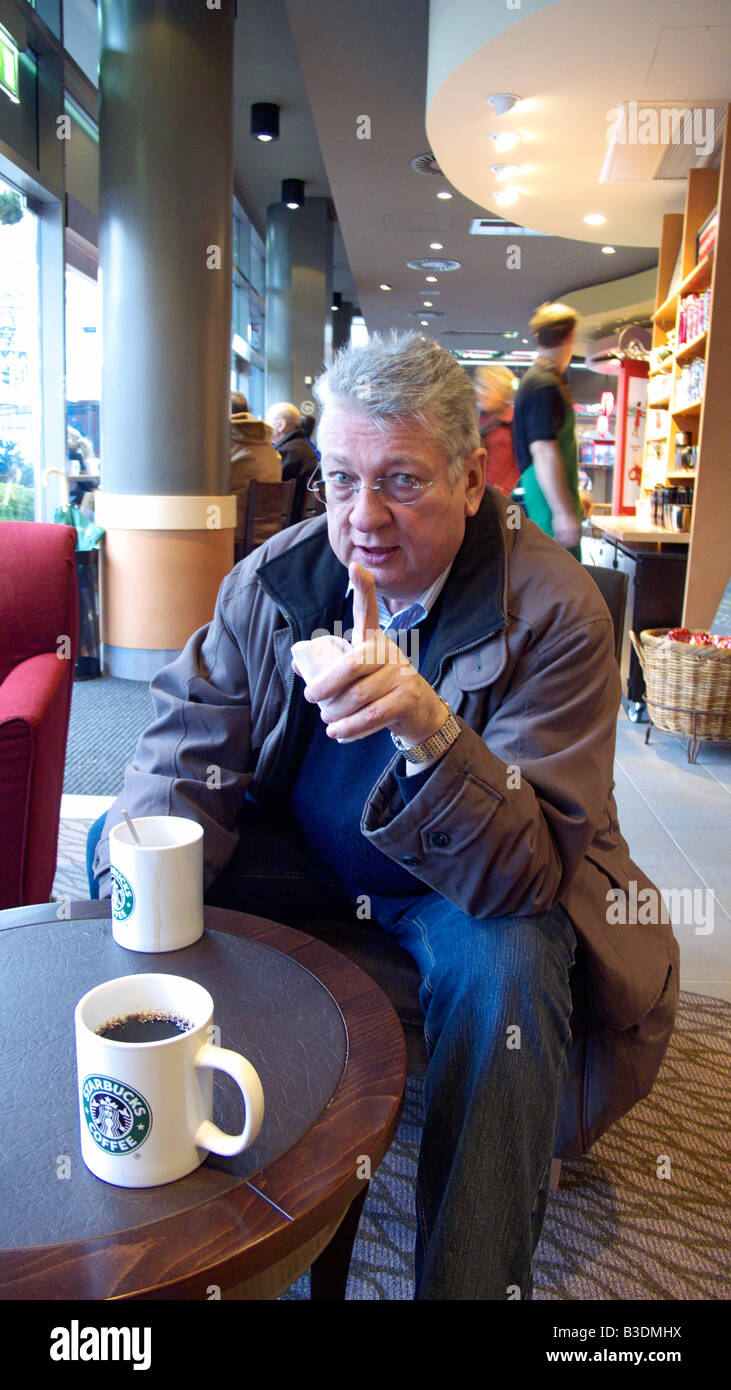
(8,67)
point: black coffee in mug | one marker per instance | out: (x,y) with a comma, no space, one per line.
(145,1026)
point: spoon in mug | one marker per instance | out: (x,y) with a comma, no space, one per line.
(132,830)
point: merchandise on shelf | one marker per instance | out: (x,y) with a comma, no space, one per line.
(693,317)
(658,387)
(689,385)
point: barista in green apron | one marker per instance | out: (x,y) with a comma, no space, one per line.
(544,427)
(535,501)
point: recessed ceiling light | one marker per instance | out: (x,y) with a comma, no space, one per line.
(505,139)
(502,102)
(424,323)
(444,194)
(608,250)
(427,304)
(384,287)
(431,279)
(595,219)
(435,246)
(505,171)
(506,197)
(524,340)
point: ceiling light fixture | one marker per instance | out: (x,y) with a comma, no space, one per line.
(424,323)
(337,301)
(431,279)
(608,250)
(384,287)
(435,246)
(505,171)
(502,102)
(595,219)
(293,193)
(506,197)
(427,304)
(444,194)
(505,139)
(265,121)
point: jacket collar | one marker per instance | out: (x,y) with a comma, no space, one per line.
(307,582)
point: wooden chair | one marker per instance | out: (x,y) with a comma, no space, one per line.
(268,510)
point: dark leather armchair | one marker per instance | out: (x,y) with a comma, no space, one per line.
(38,645)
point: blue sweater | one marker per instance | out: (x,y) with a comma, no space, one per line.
(327,800)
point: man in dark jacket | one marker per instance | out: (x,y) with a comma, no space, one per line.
(299,459)
(467,793)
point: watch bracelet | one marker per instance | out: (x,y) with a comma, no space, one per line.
(437,743)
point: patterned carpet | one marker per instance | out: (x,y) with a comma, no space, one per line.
(644,1216)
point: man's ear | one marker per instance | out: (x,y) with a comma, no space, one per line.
(476,480)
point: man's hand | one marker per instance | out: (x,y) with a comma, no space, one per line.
(374,686)
(566,528)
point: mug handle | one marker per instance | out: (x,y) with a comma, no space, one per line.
(208,1135)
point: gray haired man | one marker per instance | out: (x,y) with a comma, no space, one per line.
(470,799)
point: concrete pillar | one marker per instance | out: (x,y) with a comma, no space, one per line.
(298,298)
(166,195)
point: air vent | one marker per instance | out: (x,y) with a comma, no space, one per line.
(426,314)
(662,140)
(426,164)
(497,226)
(433,263)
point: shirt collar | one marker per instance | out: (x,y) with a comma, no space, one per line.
(416,611)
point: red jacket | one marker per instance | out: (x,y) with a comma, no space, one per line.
(496,435)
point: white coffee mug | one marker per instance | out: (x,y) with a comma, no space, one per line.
(146,1107)
(157,887)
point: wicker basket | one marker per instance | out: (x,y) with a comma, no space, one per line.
(688,689)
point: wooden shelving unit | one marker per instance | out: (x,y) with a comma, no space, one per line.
(707,420)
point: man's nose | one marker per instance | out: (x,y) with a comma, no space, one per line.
(368,510)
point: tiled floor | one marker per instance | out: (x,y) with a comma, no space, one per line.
(676,819)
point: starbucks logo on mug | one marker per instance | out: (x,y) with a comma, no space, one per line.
(118,1118)
(123,899)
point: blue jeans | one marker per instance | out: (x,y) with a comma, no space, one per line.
(497,1003)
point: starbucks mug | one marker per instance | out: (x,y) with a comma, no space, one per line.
(146,1107)
(157,886)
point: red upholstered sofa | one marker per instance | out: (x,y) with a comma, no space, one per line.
(38,645)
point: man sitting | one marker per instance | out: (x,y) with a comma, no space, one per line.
(299,459)
(470,800)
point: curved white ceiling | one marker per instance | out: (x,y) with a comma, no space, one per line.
(572,62)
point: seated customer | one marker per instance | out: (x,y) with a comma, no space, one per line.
(252,455)
(299,459)
(486,839)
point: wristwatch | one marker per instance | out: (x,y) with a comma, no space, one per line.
(434,746)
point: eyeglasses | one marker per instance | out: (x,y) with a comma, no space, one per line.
(402,488)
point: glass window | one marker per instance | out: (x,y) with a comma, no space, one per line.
(20,395)
(83,379)
(81,36)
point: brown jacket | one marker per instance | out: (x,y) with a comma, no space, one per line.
(252,456)
(524,653)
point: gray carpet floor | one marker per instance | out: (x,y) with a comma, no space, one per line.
(107,717)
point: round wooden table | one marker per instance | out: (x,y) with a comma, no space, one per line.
(331,1055)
